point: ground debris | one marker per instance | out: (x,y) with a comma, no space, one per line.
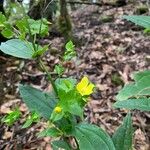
(106,51)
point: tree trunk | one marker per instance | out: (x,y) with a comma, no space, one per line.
(65,25)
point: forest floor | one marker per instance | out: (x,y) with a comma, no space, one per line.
(108,53)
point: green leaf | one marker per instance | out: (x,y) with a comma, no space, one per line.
(28,123)
(91,137)
(8,33)
(67,124)
(69,99)
(60,144)
(70,51)
(11,117)
(141,74)
(2,26)
(17,48)
(69,46)
(40,51)
(139,89)
(122,138)
(140,104)
(38,101)
(59,69)
(136,95)
(36,26)
(75,109)
(143,21)
(2,18)
(56,116)
(147,31)
(33,118)
(21,25)
(65,84)
(51,132)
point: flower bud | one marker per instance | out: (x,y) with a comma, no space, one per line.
(57,109)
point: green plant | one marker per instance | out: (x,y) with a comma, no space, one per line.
(136,95)
(143,21)
(63,107)
(33,118)
(12,117)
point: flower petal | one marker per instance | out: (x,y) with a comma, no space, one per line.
(82,84)
(89,89)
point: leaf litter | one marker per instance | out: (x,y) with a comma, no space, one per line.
(107,53)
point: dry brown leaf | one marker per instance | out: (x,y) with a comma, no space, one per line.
(7,135)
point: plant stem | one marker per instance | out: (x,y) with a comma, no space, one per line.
(30,33)
(33,43)
(49,76)
(42,16)
(41,63)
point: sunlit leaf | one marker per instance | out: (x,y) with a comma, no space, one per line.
(59,69)
(70,51)
(12,117)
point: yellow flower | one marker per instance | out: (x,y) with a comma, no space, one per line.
(84,87)
(57,109)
